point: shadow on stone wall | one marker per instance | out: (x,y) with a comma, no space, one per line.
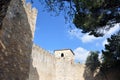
(33,75)
(3,9)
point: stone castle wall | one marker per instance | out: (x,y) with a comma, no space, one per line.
(31,15)
(15,41)
(44,62)
(54,67)
(66,68)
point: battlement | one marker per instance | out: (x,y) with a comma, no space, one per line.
(31,14)
(39,49)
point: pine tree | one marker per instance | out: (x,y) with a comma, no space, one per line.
(111,54)
(92,61)
(88,15)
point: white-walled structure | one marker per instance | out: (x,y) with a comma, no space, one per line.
(60,66)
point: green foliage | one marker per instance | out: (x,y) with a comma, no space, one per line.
(111,54)
(88,15)
(92,61)
(95,14)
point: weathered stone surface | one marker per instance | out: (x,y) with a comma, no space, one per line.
(55,67)
(3,9)
(66,68)
(44,63)
(33,75)
(15,42)
(32,15)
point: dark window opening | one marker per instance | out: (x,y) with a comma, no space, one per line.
(62,55)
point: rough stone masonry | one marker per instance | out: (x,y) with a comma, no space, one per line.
(60,66)
(15,39)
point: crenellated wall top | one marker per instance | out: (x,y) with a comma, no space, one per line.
(31,14)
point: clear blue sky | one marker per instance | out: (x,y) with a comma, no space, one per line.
(52,33)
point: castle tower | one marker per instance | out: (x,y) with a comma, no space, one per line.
(65,55)
(64,61)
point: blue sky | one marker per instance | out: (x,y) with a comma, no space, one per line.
(52,33)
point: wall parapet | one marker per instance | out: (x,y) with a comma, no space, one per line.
(44,62)
(31,14)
